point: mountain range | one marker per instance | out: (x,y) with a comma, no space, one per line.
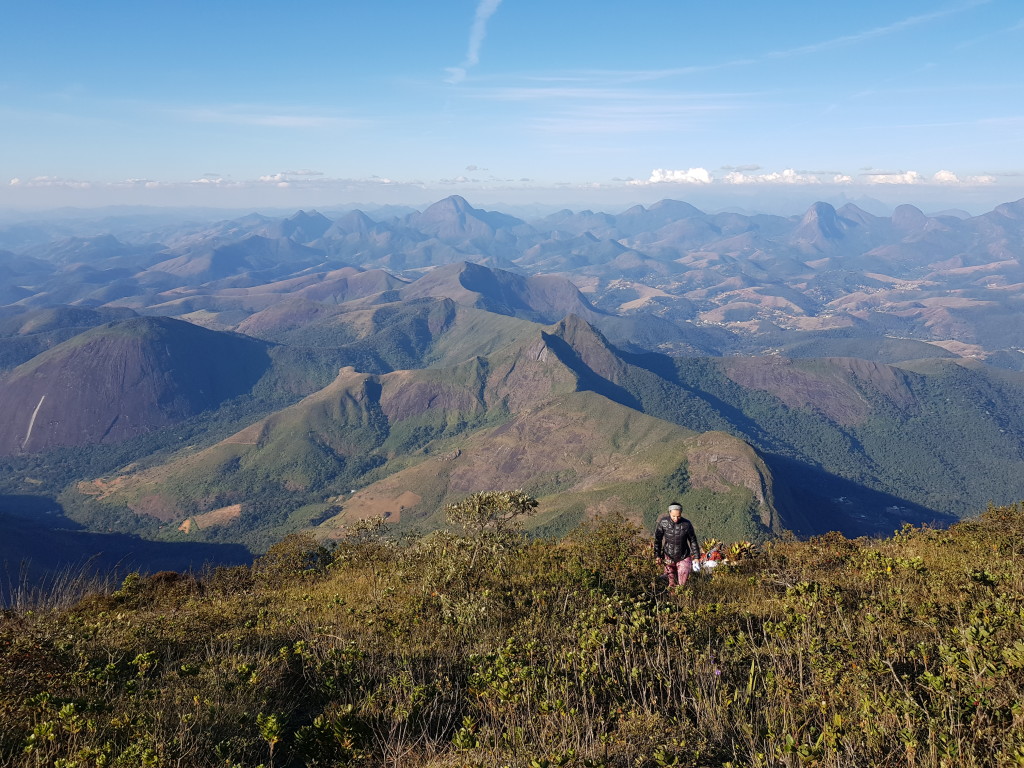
(234,381)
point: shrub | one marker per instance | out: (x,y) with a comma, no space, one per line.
(297,555)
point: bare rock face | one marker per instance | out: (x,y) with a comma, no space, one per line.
(121,380)
(819,230)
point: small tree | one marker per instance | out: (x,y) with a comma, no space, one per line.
(490,518)
(295,556)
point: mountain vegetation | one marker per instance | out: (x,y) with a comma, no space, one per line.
(476,646)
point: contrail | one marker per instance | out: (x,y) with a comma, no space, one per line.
(477,33)
(32,422)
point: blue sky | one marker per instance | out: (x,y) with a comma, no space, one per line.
(578,102)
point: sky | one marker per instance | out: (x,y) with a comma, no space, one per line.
(581,103)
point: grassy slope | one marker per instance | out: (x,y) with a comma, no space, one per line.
(584,455)
(898,652)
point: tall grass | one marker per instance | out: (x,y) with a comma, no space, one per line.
(23,588)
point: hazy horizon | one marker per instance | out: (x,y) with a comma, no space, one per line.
(522,206)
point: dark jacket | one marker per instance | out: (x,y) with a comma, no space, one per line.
(676,541)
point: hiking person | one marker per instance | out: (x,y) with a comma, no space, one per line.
(675,545)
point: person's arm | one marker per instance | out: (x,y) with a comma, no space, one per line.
(659,539)
(694,546)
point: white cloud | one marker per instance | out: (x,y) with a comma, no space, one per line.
(632,76)
(788,176)
(50,181)
(897,177)
(455,75)
(135,183)
(689,176)
(477,33)
(212,181)
(942,178)
(950,178)
(310,179)
(793,177)
(305,187)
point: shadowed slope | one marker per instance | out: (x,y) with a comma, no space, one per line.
(123,379)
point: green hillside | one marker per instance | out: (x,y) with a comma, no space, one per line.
(409,441)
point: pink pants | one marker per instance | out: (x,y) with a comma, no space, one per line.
(678,572)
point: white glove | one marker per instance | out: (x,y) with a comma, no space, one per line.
(695,567)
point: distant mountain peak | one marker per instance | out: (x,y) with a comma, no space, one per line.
(820,211)
(1014,210)
(909,217)
(453,207)
(302,215)
(856,213)
(662,213)
(305,227)
(454,218)
(820,228)
(677,208)
(452,202)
